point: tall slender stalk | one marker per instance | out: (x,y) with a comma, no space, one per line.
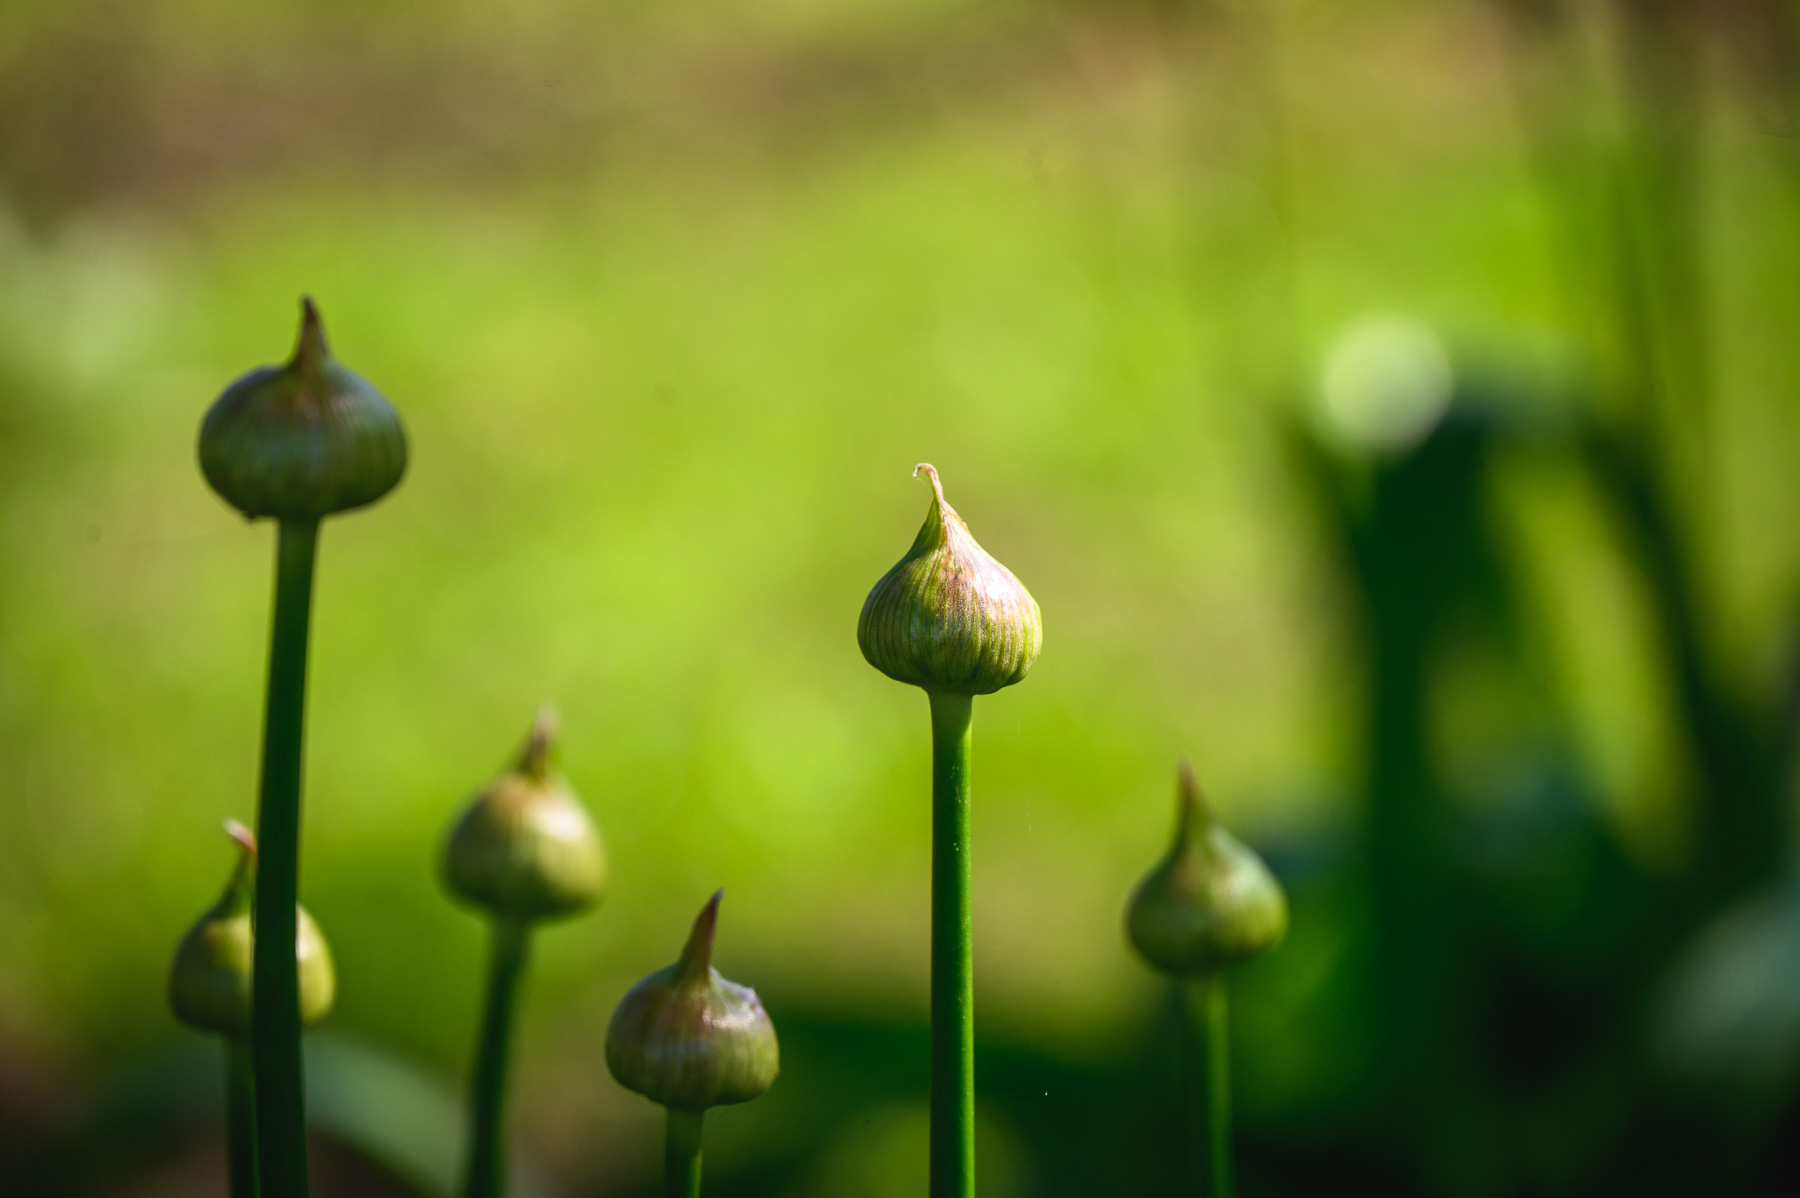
(1218,1087)
(1209,904)
(279,1077)
(954,622)
(510,949)
(240,1118)
(1205,1064)
(1191,1075)
(952,960)
(681,1154)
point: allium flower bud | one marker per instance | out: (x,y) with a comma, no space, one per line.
(1210,903)
(948,617)
(687,1038)
(525,847)
(300,441)
(209,984)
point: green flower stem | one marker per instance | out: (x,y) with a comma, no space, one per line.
(1202,1010)
(952,961)
(487,1089)
(1191,1065)
(280,1082)
(681,1157)
(240,1118)
(1218,1086)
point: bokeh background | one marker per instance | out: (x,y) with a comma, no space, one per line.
(1393,405)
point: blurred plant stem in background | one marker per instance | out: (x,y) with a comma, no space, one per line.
(240,1117)
(523,850)
(1651,442)
(1202,1018)
(1429,571)
(510,946)
(1418,550)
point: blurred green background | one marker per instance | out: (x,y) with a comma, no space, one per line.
(672,296)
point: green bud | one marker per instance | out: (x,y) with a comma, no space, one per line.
(209,984)
(1210,903)
(948,617)
(301,441)
(689,1039)
(525,847)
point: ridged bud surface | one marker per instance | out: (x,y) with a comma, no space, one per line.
(301,441)
(525,848)
(948,617)
(1210,903)
(687,1038)
(209,983)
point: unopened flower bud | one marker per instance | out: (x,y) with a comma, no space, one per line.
(209,984)
(687,1038)
(525,847)
(948,617)
(300,441)
(1210,903)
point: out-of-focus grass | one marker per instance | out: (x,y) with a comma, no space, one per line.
(660,449)
(663,400)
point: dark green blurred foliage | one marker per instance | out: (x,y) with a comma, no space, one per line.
(673,295)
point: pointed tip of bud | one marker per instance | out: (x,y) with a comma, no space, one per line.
(311,348)
(942,518)
(696,955)
(937,485)
(1192,814)
(540,743)
(245,838)
(240,888)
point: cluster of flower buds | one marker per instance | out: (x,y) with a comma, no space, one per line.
(209,983)
(298,442)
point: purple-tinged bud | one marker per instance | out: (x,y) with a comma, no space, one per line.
(687,1038)
(948,617)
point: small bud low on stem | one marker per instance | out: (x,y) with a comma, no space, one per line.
(1210,902)
(948,617)
(209,983)
(524,848)
(687,1038)
(301,441)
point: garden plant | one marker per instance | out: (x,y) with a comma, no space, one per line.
(950,619)
(524,851)
(689,1040)
(294,444)
(209,990)
(1209,904)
